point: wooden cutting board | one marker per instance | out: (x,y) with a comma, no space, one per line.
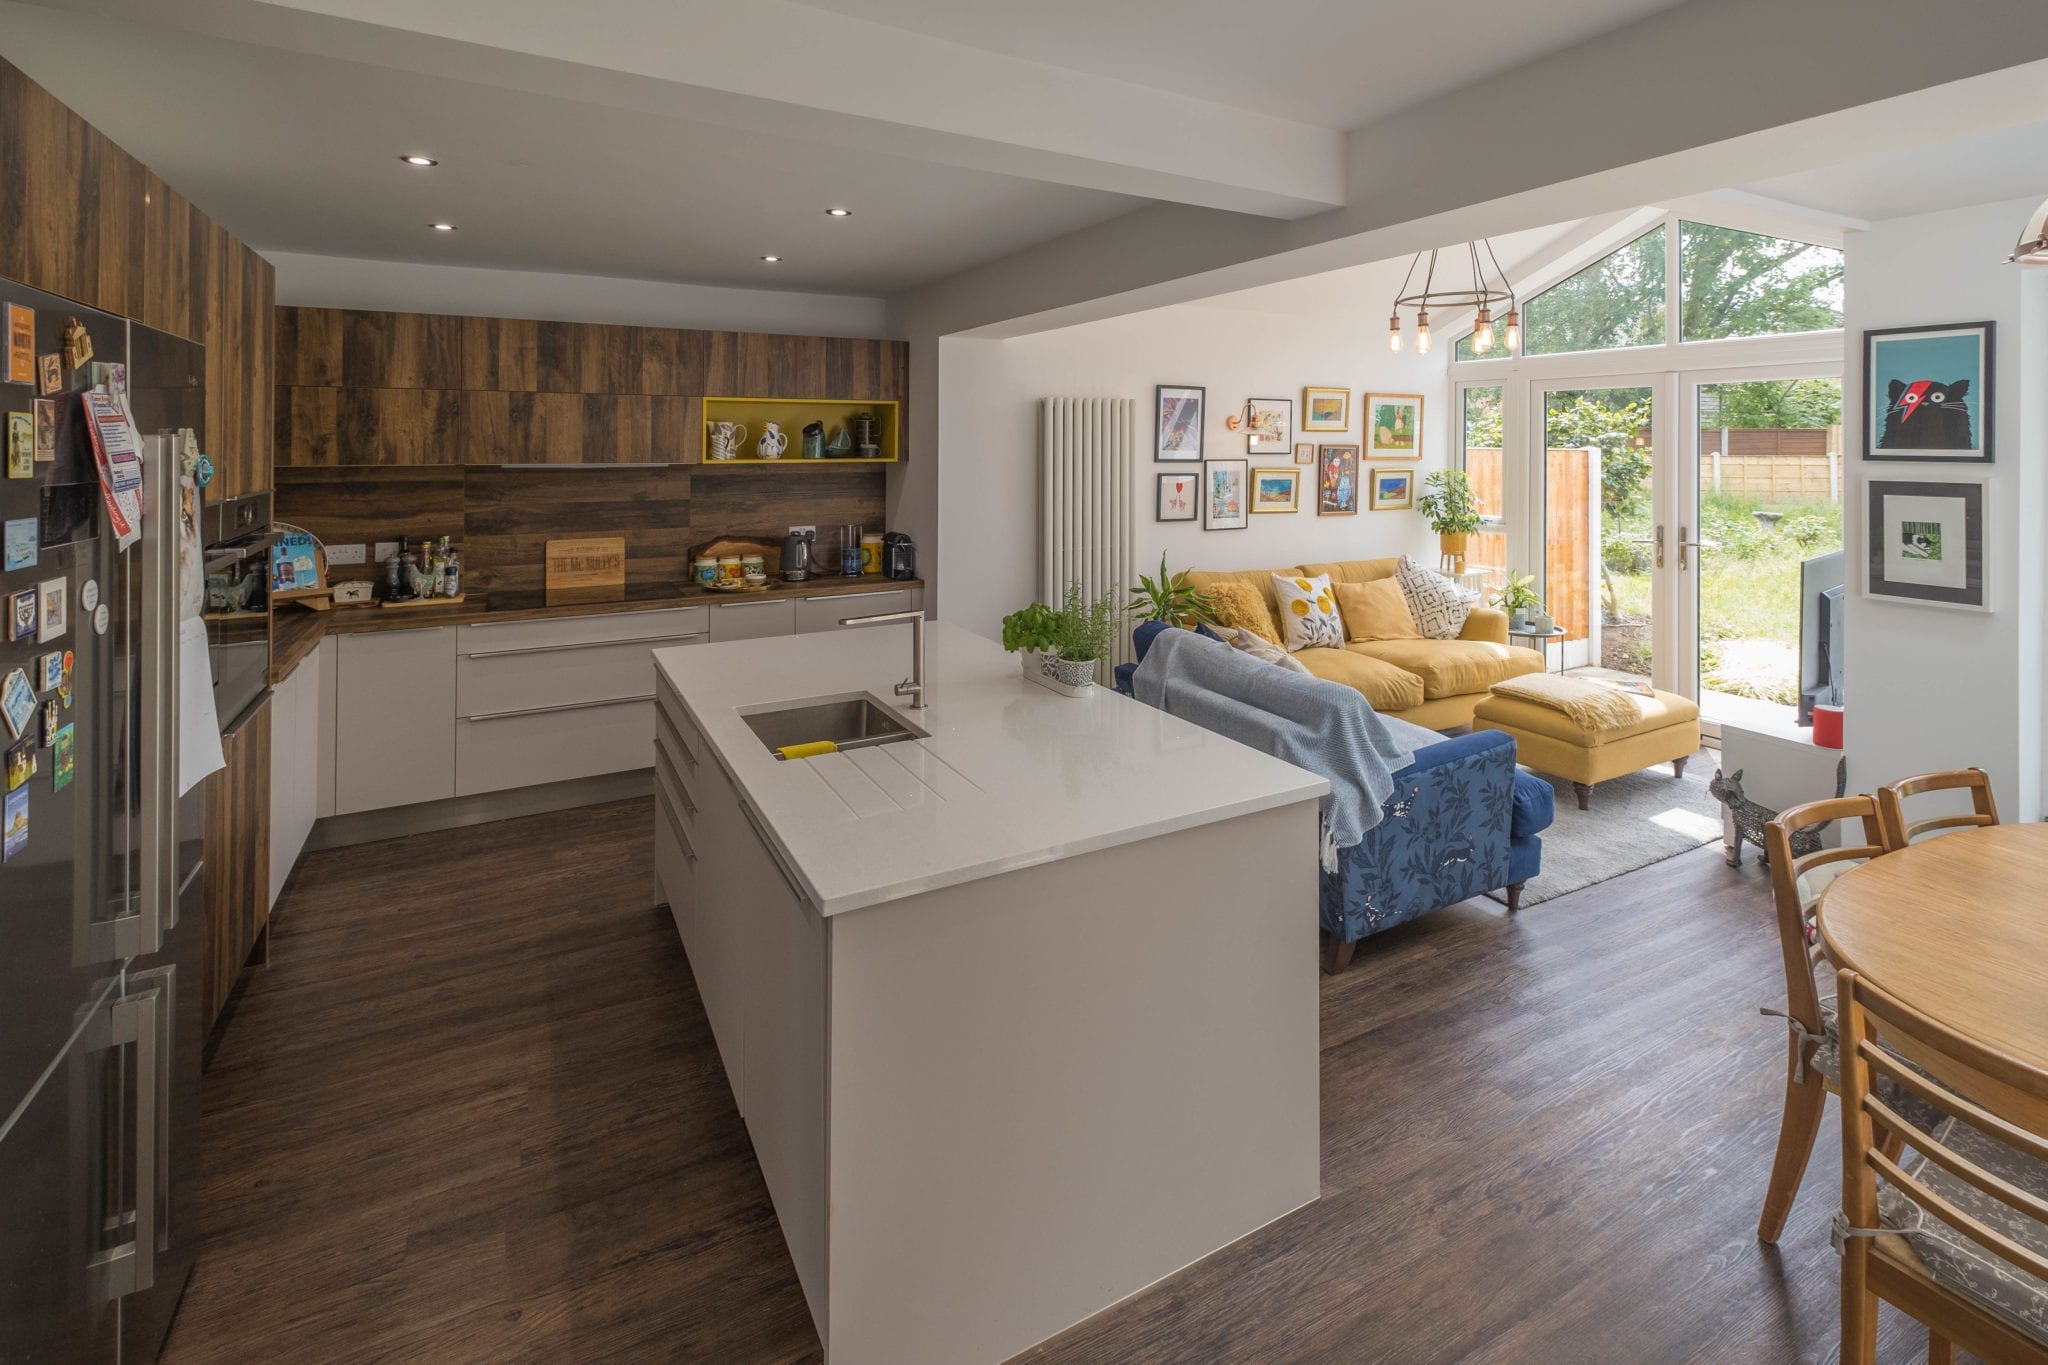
(592,569)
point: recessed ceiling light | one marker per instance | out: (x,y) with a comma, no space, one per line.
(442,227)
(418,160)
(839,213)
(771,259)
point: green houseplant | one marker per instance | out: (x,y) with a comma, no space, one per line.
(1168,598)
(1448,505)
(1517,597)
(1062,647)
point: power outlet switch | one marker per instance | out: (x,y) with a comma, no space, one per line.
(386,549)
(346,554)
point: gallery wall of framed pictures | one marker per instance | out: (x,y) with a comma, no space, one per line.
(1929,399)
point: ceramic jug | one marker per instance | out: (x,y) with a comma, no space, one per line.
(726,440)
(772,442)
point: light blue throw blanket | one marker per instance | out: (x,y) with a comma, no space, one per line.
(1325,727)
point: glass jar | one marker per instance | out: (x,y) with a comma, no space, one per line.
(706,571)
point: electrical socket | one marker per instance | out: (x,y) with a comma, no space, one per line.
(346,554)
(386,549)
(810,531)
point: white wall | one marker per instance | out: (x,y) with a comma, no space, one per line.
(410,287)
(987,495)
(1933,687)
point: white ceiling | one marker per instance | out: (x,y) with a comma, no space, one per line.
(1336,63)
(1982,168)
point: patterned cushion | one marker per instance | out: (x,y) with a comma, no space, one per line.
(1952,1258)
(1267,650)
(1827,1060)
(1438,605)
(1308,613)
(1239,605)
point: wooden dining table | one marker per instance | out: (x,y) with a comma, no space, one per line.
(1957,927)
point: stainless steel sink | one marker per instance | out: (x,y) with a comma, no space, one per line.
(849,722)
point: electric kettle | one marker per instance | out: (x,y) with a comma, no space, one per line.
(796,556)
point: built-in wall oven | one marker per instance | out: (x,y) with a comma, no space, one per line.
(237,535)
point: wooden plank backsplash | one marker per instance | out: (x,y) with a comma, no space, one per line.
(503,518)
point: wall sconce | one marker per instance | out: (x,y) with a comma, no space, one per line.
(2033,243)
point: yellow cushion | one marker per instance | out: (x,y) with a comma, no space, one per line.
(1376,611)
(1388,688)
(1354,570)
(1239,604)
(1485,623)
(1308,613)
(1659,712)
(1449,668)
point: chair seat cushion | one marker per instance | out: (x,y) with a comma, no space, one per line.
(1951,1257)
(1453,668)
(1659,712)
(1827,1060)
(1387,687)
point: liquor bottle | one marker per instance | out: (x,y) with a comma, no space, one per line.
(452,584)
(398,587)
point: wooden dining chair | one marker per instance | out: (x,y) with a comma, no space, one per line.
(1891,804)
(1956,1236)
(1811,1069)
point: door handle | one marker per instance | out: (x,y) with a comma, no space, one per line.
(1685,544)
(137,1019)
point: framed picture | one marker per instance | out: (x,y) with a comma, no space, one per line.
(54,608)
(1177,421)
(1391,490)
(1393,426)
(1223,495)
(1336,481)
(21,615)
(1179,497)
(46,429)
(1268,424)
(1326,409)
(1304,452)
(1927,392)
(21,445)
(1925,543)
(1276,490)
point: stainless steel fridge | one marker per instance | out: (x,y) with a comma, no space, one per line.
(102,894)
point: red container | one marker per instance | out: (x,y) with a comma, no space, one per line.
(1827,726)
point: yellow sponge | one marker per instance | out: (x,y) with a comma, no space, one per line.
(811,750)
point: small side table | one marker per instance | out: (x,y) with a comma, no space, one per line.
(1541,640)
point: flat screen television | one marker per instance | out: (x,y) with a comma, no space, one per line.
(1822,620)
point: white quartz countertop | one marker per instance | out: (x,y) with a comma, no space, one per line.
(1012,775)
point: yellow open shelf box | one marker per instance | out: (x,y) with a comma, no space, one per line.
(792,415)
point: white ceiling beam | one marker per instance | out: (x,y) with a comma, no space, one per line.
(779,67)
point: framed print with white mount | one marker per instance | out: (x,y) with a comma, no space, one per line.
(1925,543)
(1393,426)
(1177,421)
(1276,490)
(1179,494)
(1927,393)
(1268,425)
(1325,409)
(1223,495)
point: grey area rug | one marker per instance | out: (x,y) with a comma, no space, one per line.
(1642,818)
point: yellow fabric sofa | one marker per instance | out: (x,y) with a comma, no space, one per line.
(1434,683)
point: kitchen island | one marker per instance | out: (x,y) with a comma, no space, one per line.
(1019,1003)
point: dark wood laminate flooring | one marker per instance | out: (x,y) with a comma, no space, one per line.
(472,1112)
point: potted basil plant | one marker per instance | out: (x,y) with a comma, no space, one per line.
(1062,647)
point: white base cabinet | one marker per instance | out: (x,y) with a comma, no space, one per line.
(394,719)
(296,709)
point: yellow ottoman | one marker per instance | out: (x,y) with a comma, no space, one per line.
(1666,730)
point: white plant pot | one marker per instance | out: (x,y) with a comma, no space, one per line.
(1542,624)
(1068,677)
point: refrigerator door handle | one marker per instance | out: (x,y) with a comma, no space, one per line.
(138,1019)
(157,778)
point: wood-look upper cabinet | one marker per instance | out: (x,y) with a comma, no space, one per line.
(369,388)
(237,850)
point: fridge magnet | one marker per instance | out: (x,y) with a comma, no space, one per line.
(88,600)
(21,544)
(51,669)
(21,615)
(110,378)
(77,344)
(99,619)
(53,721)
(55,608)
(21,766)
(21,344)
(65,762)
(21,446)
(17,824)
(46,429)
(49,373)
(17,703)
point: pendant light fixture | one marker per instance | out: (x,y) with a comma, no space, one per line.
(1480,294)
(2033,243)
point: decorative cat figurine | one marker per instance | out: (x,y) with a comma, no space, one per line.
(1750,818)
(1928,415)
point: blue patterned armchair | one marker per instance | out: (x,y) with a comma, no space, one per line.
(1462,821)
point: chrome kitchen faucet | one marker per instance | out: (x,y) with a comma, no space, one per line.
(914,685)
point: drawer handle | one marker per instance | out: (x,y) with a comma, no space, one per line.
(841,596)
(560,706)
(768,846)
(689,853)
(585,644)
(682,792)
(689,754)
(579,616)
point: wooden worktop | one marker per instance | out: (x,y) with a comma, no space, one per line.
(296,632)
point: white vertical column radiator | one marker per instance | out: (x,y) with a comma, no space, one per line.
(1087,447)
